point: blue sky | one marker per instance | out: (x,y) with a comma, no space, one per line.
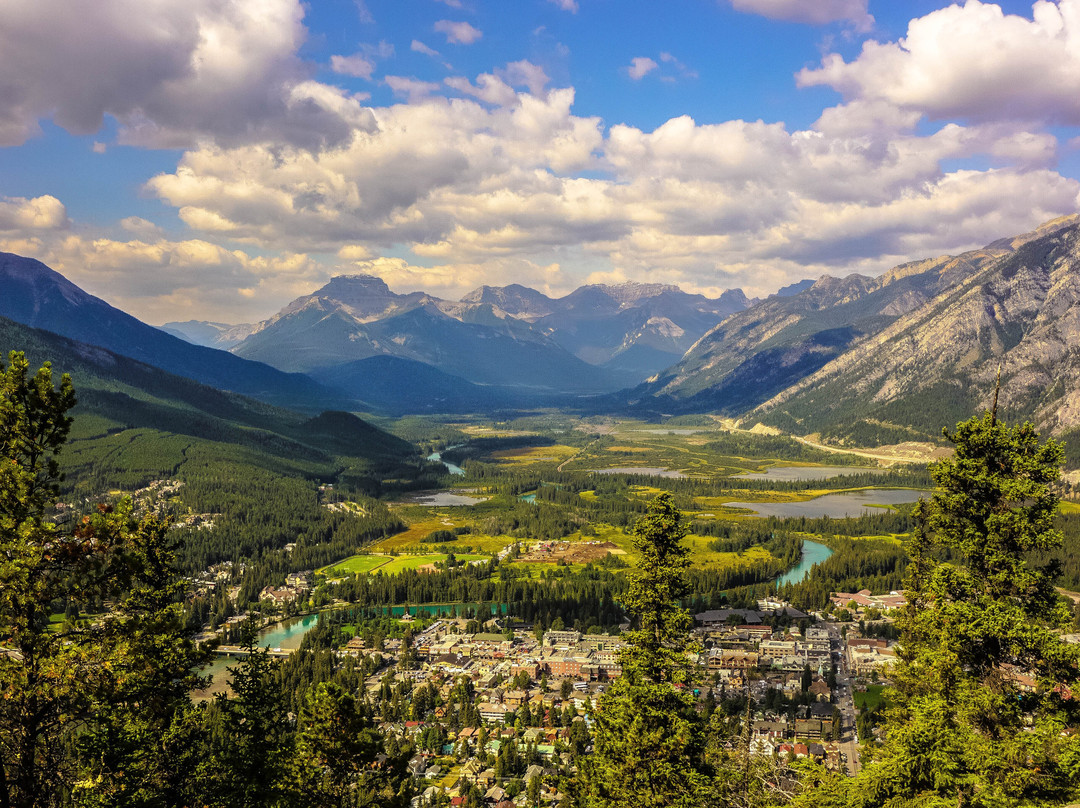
(213,159)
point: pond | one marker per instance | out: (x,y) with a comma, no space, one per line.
(285,635)
(795,473)
(652,471)
(835,506)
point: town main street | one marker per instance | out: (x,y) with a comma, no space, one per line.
(845,701)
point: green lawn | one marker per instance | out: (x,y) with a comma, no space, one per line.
(869,699)
(412,562)
(356,563)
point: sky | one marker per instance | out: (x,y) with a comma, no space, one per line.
(215,159)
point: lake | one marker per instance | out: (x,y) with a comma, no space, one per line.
(652,471)
(442,499)
(813,552)
(285,635)
(836,506)
(794,473)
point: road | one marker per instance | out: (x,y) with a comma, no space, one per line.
(845,700)
(916,455)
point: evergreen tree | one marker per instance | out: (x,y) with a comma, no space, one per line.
(86,710)
(962,728)
(649,740)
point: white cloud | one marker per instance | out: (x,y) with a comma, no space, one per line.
(971,62)
(566,5)
(474,188)
(419,47)
(172,73)
(356,65)
(457,4)
(99,147)
(458,33)
(142,229)
(640,66)
(363,14)
(410,88)
(814,12)
(683,70)
(498,89)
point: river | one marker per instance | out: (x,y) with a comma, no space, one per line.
(285,635)
(812,553)
(437,458)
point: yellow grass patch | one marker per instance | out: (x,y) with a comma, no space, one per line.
(534,454)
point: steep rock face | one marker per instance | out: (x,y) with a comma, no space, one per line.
(785,338)
(1019,311)
(636,327)
(356,317)
(516,300)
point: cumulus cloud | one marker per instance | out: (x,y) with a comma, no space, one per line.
(640,67)
(498,88)
(410,88)
(172,73)
(29,216)
(156,279)
(458,33)
(813,12)
(142,228)
(566,5)
(971,62)
(506,178)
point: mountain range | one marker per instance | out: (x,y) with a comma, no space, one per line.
(857,359)
(37,296)
(900,356)
(596,339)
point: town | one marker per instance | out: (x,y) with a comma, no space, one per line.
(498,709)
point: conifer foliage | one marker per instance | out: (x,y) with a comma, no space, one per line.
(649,739)
(985,690)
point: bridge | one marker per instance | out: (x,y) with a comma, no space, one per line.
(239,651)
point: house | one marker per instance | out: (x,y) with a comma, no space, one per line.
(493,713)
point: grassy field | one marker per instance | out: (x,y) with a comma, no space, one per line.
(702,556)
(870,698)
(533,454)
(356,564)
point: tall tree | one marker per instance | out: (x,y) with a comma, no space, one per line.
(78,701)
(649,739)
(983,711)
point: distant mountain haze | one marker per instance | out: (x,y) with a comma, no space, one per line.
(859,359)
(35,295)
(596,339)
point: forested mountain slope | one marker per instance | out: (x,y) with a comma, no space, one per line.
(135,423)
